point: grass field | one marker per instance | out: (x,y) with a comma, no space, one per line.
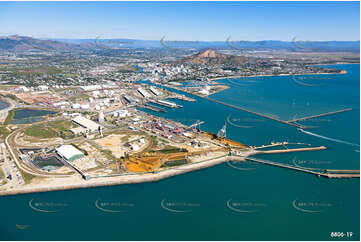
(50,130)
(40,131)
(61,125)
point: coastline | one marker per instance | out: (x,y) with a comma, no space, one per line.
(5,112)
(338,63)
(76,182)
(68,184)
(302,74)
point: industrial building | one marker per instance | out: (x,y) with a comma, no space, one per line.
(155,91)
(121,113)
(130,100)
(144,93)
(79,130)
(69,153)
(86,123)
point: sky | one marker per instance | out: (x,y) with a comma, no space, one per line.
(198,21)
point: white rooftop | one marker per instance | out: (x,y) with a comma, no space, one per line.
(86,123)
(68,151)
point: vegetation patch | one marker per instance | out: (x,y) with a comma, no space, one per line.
(10,117)
(40,131)
(174,163)
(40,70)
(82,96)
(61,125)
(171,149)
(109,155)
(26,176)
(13,97)
(2,175)
(4,132)
(54,129)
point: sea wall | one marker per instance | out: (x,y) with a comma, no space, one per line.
(125,179)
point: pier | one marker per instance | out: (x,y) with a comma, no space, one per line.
(182,98)
(255,113)
(320,115)
(290,122)
(292,150)
(153,108)
(273,144)
(166,103)
(321,172)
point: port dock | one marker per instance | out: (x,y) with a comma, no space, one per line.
(165,103)
(153,108)
(182,98)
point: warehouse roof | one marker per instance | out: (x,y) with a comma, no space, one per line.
(86,123)
(69,152)
(78,130)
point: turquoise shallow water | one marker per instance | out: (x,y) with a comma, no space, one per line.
(222,202)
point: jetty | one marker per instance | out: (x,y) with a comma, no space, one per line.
(320,115)
(255,113)
(314,171)
(292,150)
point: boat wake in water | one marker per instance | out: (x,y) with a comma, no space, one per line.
(328,138)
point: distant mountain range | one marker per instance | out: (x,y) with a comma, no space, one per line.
(23,43)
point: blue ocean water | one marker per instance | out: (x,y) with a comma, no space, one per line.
(225,202)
